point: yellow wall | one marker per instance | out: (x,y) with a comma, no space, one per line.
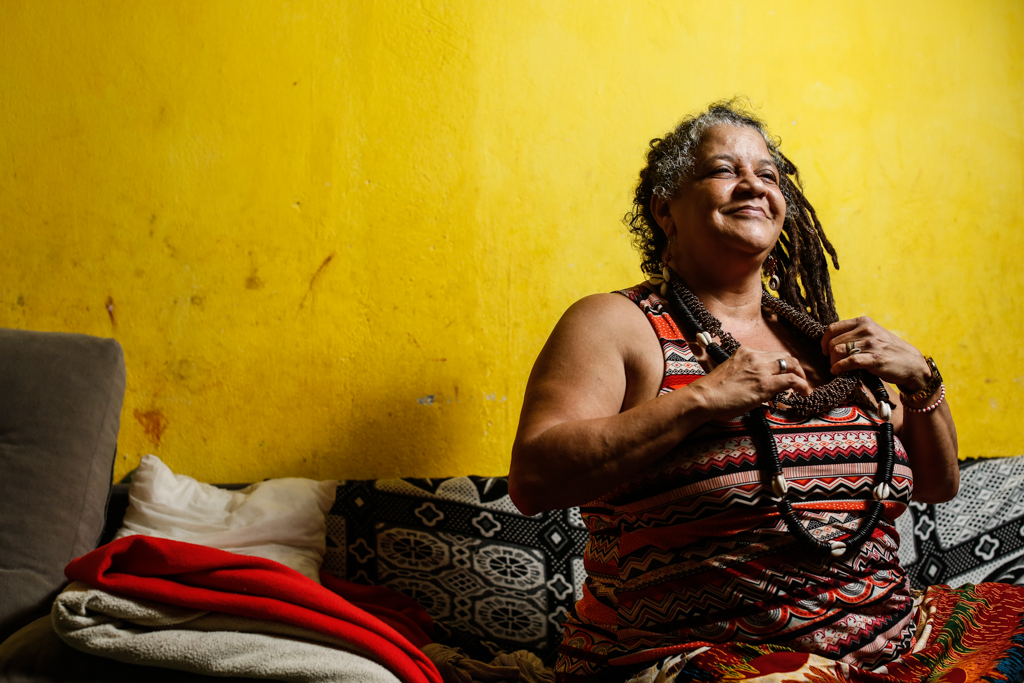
(302,219)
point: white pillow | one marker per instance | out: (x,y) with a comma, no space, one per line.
(278,519)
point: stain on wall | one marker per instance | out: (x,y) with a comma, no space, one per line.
(154,423)
(332,236)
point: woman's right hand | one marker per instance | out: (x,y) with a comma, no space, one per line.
(748,379)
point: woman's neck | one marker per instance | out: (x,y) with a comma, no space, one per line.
(737,305)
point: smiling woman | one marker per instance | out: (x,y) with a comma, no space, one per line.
(736,456)
(734,202)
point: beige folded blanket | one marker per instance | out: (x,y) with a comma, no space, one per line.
(212,643)
(520,666)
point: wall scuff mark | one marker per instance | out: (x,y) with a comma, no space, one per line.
(312,280)
(254,281)
(110,310)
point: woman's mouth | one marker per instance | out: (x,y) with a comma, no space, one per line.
(751,210)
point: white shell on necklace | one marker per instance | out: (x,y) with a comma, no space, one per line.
(779,485)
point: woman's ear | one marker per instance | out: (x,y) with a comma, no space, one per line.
(663,214)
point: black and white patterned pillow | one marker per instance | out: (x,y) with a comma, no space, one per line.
(492,579)
(495,580)
(976,537)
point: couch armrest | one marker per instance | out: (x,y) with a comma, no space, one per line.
(60,409)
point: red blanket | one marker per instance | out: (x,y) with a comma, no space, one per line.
(388,626)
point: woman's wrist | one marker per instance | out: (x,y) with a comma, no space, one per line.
(926,387)
(929,404)
(695,404)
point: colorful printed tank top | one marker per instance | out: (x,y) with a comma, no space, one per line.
(692,550)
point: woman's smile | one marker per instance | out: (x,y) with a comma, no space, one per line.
(749,210)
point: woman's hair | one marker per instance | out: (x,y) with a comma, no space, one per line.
(800,252)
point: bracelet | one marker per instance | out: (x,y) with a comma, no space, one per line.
(929,389)
(928,409)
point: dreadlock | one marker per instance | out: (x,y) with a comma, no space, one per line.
(800,252)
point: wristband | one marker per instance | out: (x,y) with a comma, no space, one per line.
(933,384)
(928,409)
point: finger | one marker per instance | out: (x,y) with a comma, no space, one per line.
(859,361)
(834,330)
(794,377)
(803,387)
(849,347)
(849,344)
(790,381)
(789,365)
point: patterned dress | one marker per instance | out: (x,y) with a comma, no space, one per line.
(692,552)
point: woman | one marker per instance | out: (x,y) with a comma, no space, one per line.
(724,447)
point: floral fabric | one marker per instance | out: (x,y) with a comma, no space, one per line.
(974,633)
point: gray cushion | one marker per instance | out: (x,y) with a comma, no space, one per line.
(60,408)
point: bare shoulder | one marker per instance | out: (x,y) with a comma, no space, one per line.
(603,324)
(596,356)
(609,312)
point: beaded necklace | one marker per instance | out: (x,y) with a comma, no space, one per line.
(699,322)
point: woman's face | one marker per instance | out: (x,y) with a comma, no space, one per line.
(731,202)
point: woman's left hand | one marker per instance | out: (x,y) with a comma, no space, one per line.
(929,437)
(876,350)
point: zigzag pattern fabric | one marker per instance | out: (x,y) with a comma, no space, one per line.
(693,551)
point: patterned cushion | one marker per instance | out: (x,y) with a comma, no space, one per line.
(495,580)
(492,579)
(976,537)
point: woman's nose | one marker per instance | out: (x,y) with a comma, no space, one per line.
(752,183)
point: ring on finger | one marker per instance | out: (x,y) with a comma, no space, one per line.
(851,348)
(783,368)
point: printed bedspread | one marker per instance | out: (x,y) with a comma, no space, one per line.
(182,606)
(969,634)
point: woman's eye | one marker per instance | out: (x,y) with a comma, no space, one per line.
(770,177)
(722,170)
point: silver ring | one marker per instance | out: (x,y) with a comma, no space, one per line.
(782,366)
(851,348)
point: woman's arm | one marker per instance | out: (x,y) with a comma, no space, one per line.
(930,438)
(590,420)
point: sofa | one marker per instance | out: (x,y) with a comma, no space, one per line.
(493,581)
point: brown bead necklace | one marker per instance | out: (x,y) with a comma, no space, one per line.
(699,322)
(830,395)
